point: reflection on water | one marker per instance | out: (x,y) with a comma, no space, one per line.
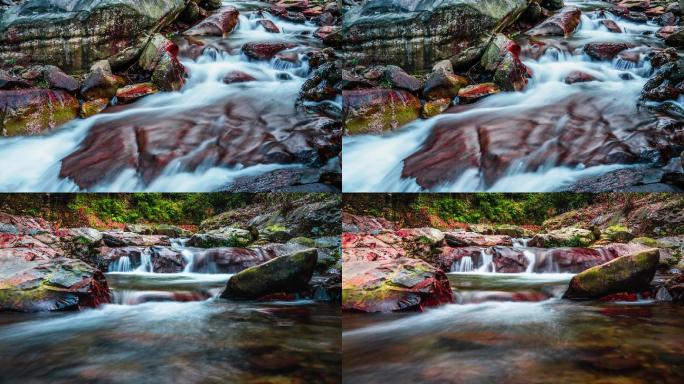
(548,341)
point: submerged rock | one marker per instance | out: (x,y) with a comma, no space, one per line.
(631,273)
(50,285)
(284,274)
(393,285)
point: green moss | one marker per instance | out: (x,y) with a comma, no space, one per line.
(646,241)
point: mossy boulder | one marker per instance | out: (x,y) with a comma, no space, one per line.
(564,237)
(377,110)
(35,111)
(631,273)
(617,234)
(284,274)
(393,285)
(275,233)
(50,285)
(158,229)
(222,237)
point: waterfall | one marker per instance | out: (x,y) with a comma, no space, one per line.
(531,260)
(122,264)
(487,264)
(145,261)
(463,265)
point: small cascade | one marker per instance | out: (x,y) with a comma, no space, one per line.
(122,264)
(145,261)
(465,264)
(531,260)
(487,264)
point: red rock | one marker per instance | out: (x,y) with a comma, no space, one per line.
(237,77)
(666,31)
(563,23)
(465,239)
(33,111)
(354,223)
(269,26)
(58,79)
(443,85)
(291,57)
(133,92)
(101,84)
(220,23)
(377,110)
(323,32)
(605,51)
(400,79)
(611,25)
(450,255)
(9,81)
(93,107)
(232,260)
(578,77)
(264,50)
(475,92)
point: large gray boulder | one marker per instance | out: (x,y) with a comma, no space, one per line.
(73,34)
(414,34)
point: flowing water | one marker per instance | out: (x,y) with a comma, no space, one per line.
(515,328)
(173,328)
(545,138)
(198,139)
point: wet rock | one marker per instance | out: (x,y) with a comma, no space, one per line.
(533,14)
(93,107)
(50,285)
(169,230)
(230,259)
(101,83)
(160,56)
(264,50)
(563,23)
(675,287)
(222,237)
(237,77)
(377,110)
(377,32)
(393,285)
(73,36)
(131,93)
(578,77)
(34,111)
(220,23)
(675,39)
(502,57)
(327,34)
(631,273)
(269,26)
(564,237)
(284,274)
(211,4)
(126,239)
(605,51)
(166,260)
(475,92)
(442,84)
(466,239)
(611,25)
(283,180)
(552,4)
(575,259)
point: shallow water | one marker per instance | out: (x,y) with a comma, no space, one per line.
(173,328)
(545,138)
(547,341)
(186,125)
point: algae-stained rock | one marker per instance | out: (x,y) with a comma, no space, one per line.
(74,34)
(222,237)
(563,237)
(50,285)
(377,110)
(617,233)
(393,285)
(416,34)
(630,273)
(33,111)
(284,274)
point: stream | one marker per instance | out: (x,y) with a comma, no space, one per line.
(545,138)
(173,328)
(201,138)
(515,328)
